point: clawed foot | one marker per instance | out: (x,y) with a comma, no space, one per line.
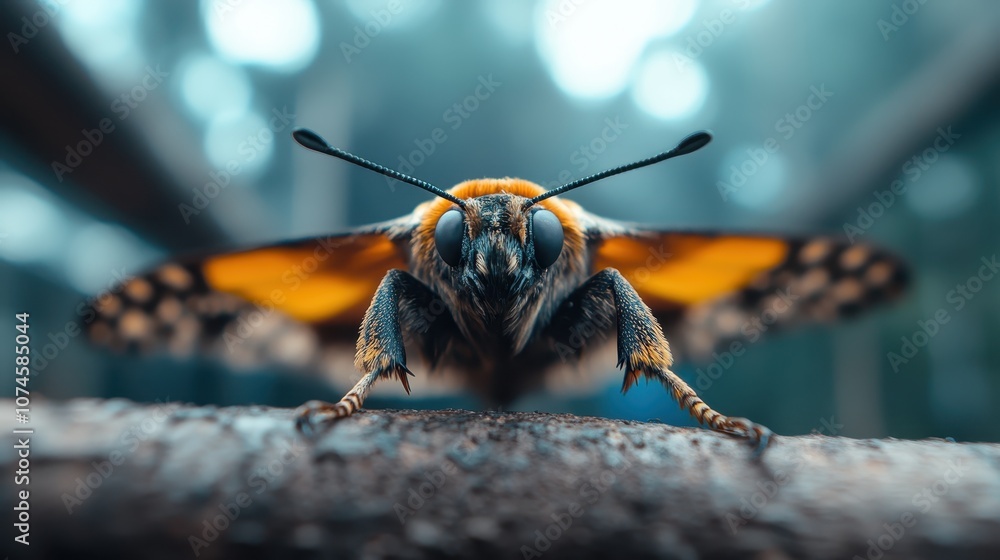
(312,416)
(757,435)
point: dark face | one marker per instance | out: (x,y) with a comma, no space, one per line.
(498,253)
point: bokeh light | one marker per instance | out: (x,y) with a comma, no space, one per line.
(99,251)
(278,35)
(213,88)
(591,48)
(35,228)
(61,242)
(669,86)
(243,140)
(103,33)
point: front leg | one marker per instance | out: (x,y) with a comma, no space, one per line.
(401,301)
(607,298)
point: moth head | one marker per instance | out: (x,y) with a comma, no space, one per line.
(538,232)
(497,255)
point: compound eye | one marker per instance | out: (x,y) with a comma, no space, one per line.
(448,237)
(547,235)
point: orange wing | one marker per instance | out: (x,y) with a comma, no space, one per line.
(325,280)
(709,289)
(297,304)
(686,269)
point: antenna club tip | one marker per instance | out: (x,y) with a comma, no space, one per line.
(310,139)
(692,142)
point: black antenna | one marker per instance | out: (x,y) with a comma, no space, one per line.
(315,142)
(686,146)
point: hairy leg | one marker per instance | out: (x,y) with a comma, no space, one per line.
(401,304)
(608,299)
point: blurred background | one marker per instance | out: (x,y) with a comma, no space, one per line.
(132,131)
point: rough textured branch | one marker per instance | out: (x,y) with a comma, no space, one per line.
(121,479)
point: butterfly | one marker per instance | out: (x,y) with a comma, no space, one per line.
(496,284)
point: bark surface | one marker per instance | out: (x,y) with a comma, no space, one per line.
(121,479)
